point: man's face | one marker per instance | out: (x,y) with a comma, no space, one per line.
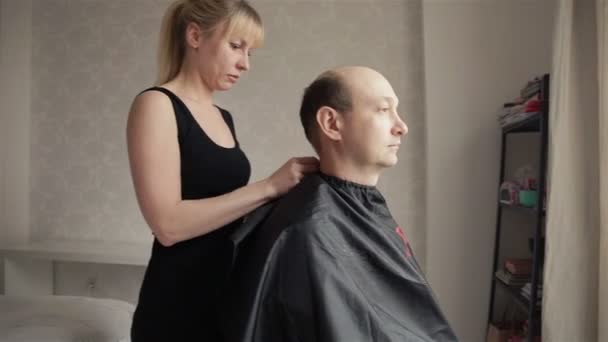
(373,130)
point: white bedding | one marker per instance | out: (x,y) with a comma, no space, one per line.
(64,318)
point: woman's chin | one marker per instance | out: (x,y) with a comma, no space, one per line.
(223,86)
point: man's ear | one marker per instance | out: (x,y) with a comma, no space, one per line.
(194,35)
(330,123)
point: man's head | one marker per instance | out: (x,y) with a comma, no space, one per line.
(350,114)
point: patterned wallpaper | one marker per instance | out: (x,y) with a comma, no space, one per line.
(91,57)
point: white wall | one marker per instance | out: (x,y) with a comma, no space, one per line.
(80,180)
(478,54)
(90,58)
(15,86)
(15,89)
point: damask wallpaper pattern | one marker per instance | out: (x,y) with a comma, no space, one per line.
(91,57)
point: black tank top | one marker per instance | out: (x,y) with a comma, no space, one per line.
(178,297)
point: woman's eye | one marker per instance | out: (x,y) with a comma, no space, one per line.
(235,45)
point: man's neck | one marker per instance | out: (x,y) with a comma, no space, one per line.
(348,171)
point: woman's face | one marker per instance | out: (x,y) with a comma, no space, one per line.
(222,60)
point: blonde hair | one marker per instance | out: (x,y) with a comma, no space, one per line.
(236,17)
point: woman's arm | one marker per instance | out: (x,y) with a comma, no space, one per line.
(155,168)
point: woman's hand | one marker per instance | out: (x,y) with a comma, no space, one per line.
(290,174)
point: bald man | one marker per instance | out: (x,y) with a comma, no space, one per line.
(327,262)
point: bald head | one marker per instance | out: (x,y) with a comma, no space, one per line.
(339,89)
(328,89)
(355,75)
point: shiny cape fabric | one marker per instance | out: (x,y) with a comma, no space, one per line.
(327,262)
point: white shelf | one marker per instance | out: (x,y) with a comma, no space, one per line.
(28,266)
(119,253)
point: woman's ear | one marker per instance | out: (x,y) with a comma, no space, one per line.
(194,35)
(330,123)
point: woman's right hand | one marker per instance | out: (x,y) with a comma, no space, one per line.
(290,174)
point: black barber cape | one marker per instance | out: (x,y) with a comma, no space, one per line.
(327,262)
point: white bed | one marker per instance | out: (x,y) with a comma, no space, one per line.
(63,319)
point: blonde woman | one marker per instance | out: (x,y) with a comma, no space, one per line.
(189,173)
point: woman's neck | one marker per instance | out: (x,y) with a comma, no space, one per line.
(189,85)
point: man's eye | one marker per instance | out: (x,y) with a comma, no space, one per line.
(235,45)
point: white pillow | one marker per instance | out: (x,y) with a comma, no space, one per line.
(64,318)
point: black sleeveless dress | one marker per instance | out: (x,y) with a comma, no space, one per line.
(180,290)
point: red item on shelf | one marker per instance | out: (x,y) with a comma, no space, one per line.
(519,266)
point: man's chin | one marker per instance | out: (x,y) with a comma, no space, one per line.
(390,162)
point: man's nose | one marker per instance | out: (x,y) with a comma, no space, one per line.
(400,128)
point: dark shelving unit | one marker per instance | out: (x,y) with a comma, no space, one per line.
(536,123)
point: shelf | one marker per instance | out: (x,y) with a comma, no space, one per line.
(515,293)
(118,253)
(531,124)
(29,265)
(537,123)
(521,208)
